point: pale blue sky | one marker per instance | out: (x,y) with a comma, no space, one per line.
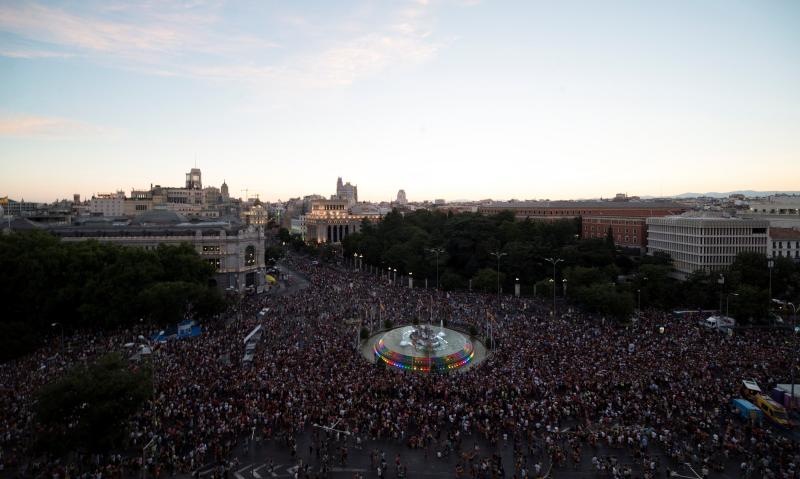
(446,99)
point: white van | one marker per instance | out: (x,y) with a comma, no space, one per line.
(718,322)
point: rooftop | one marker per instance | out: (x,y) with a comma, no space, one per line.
(621,205)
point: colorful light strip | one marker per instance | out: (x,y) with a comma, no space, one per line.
(424,364)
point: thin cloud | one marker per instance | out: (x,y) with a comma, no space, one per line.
(176,39)
(153,36)
(30,54)
(52,128)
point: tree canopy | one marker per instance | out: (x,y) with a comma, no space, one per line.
(89,284)
(600,278)
(87,410)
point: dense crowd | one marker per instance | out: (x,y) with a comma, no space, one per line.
(567,392)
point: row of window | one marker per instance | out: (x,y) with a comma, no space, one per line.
(616,230)
(700,250)
(698,231)
(787,255)
(619,237)
(788,244)
(705,240)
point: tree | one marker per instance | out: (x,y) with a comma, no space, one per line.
(605,299)
(89,284)
(749,268)
(89,408)
(486,280)
(273,253)
(750,305)
(284,235)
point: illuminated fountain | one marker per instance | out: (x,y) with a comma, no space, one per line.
(424,348)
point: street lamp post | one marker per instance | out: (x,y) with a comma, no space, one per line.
(794,340)
(770,264)
(554,261)
(728,303)
(62,333)
(564,286)
(437,252)
(410,280)
(639,300)
(498,254)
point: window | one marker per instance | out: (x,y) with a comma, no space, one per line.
(250,256)
(211,249)
(213,262)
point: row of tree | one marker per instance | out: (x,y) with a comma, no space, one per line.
(95,285)
(464,248)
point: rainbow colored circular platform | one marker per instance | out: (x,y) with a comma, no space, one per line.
(442,350)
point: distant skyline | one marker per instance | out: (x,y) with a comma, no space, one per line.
(445,99)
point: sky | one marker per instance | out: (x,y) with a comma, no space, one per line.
(453,99)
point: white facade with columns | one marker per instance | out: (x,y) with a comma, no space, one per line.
(705,243)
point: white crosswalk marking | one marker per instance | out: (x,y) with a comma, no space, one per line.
(255,471)
(238,474)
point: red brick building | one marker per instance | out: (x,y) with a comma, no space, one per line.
(625,218)
(628,232)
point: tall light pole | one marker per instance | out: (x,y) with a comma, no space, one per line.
(554,261)
(498,254)
(639,294)
(728,303)
(794,340)
(639,291)
(62,333)
(770,264)
(437,252)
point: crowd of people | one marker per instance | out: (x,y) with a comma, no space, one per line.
(564,393)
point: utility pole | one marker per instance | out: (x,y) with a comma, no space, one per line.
(437,252)
(498,254)
(554,261)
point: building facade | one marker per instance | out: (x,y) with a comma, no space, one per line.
(554,210)
(107,204)
(346,192)
(626,219)
(234,250)
(330,221)
(784,243)
(401,198)
(780,210)
(628,232)
(705,243)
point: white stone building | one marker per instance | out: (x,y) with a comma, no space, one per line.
(780,210)
(236,251)
(700,242)
(784,242)
(107,204)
